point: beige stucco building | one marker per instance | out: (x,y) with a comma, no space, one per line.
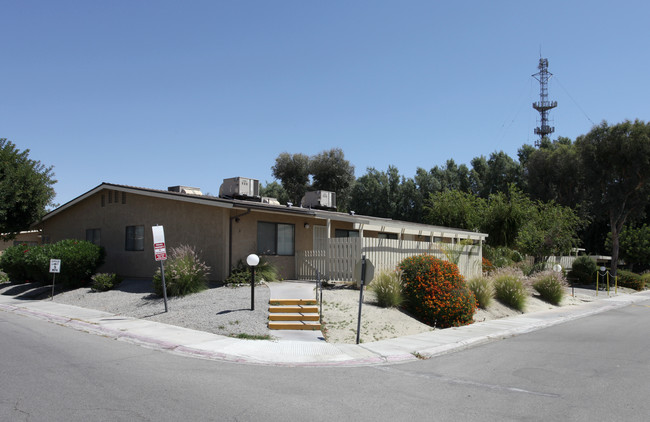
(120,218)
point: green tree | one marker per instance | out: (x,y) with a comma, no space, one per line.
(293,173)
(634,245)
(377,193)
(505,213)
(615,165)
(549,229)
(332,172)
(25,189)
(495,174)
(453,208)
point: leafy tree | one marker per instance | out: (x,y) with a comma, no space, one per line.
(634,245)
(293,172)
(615,164)
(453,208)
(332,172)
(550,229)
(377,193)
(451,177)
(495,174)
(552,173)
(505,214)
(25,190)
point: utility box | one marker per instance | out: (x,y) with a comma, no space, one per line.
(320,199)
(188,190)
(240,188)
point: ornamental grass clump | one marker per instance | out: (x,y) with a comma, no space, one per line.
(185,273)
(482,289)
(387,286)
(435,292)
(550,285)
(264,271)
(509,288)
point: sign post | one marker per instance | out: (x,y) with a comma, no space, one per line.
(363,270)
(55,267)
(160,253)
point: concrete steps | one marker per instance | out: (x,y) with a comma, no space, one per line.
(293,314)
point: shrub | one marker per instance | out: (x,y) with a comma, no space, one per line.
(550,286)
(79,260)
(630,280)
(264,271)
(486,266)
(104,282)
(509,288)
(4,278)
(583,270)
(502,256)
(387,285)
(482,289)
(185,273)
(435,292)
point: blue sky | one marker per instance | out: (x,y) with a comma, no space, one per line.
(162,93)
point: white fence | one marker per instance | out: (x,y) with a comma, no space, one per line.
(337,261)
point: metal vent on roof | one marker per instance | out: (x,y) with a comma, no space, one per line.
(188,190)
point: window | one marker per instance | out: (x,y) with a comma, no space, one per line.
(346,233)
(275,239)
(134,238)
(392,236)
(93,236)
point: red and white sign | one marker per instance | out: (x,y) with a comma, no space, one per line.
(159,249)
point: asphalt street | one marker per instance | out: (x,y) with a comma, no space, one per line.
(591,369)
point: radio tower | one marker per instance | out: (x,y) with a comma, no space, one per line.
(543,105)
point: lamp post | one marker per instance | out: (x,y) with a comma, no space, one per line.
(252,260)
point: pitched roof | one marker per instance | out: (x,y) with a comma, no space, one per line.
(360,221)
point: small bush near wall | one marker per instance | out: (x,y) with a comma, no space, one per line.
(387,286)
(509,288)
(630,280)
(79,261)
(550,285)
(185,273)
(103,282)
(4,278)
(583,270)
(435,292)
(264,271)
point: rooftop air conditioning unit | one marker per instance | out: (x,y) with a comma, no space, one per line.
(320,199)
(240,188)
(270,201)
(188,190)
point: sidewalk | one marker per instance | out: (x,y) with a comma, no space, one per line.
(292,352)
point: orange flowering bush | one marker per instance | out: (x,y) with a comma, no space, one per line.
(488,267)
(436,292)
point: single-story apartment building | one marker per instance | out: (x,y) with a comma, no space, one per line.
(298,240)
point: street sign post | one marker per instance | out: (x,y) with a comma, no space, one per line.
(364,270)
(55,268)
(160,254)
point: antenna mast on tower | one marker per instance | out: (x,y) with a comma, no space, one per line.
(543,105)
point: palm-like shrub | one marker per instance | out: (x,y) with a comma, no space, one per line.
(103,282)
(185,273)
(435,292)
(387,286)
(509,288)
(482,289)
(550,285)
